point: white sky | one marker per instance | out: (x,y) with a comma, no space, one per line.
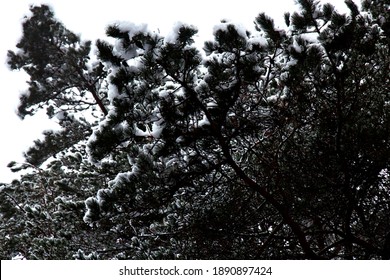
(89,19)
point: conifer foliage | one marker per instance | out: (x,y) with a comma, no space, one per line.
(271,144)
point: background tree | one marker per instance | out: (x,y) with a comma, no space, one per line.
(41,214)
(64,81)
(59,65)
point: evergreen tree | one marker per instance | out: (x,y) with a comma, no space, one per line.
(270,144)
(295,122)
(41,214)
(64,81)
(59,65)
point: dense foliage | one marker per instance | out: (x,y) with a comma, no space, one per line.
(272,144)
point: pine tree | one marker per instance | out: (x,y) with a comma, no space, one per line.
(270,144)
(295,122)
(64,81)
(42,211)
(59,65)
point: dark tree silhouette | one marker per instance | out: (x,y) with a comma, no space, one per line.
(272,144)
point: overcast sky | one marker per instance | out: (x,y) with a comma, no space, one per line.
(89,19)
